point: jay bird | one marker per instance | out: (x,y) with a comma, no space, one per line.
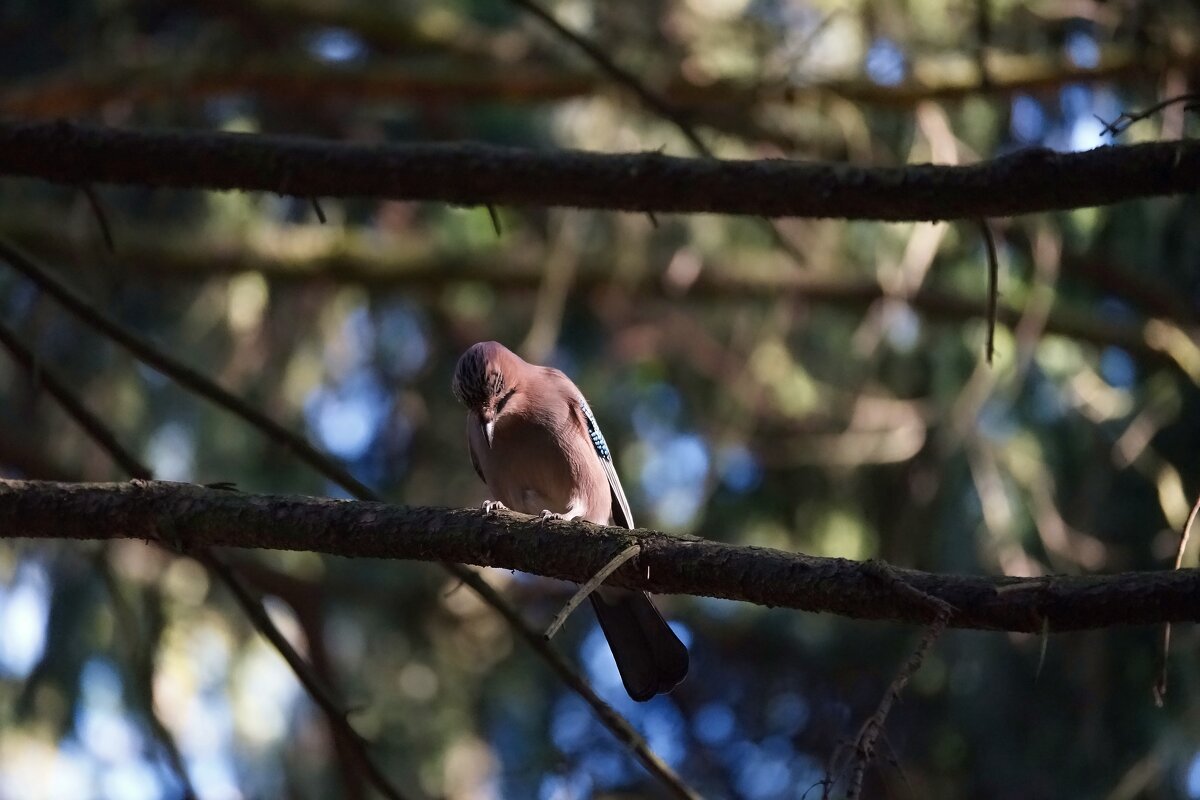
(533,440)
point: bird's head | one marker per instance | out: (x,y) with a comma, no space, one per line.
(485,380)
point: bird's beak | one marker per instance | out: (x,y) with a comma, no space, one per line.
(489,428)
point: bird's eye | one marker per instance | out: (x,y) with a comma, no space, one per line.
(500,403)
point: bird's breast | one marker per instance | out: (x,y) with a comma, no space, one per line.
(527,467)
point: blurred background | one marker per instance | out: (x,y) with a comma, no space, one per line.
(818,387)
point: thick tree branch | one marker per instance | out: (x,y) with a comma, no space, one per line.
(575,551)
(476,174)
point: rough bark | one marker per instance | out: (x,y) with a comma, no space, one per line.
(477,174)
(189,516)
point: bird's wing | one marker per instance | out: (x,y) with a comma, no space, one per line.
(474,434)
(621,513)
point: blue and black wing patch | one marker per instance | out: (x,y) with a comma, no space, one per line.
(620,510)
(593,429)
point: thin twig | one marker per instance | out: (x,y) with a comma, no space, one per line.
(320,695)
(97,207)
(872,728)
(495,218)
(1160,687)
(1127,118)
(316,689)
(142,662)
(316,204)
(983,34)
(894,760)
(306,599)
(651,99)
(96,430)
(177,371)
(993,287)
(608,716)
(1043,646)
(194,381)
(591,586)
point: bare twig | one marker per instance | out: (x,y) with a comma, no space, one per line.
(1126,119)
(201,385)
(617,725)
(1160,687)
(97,207)
(320,212)
(313,685)
(872,728)
(1043,646)
(306,598)
(983,33)
(495,218)
(185,376)
(141,657)
(591,586)
(96,430)
(650,99)
(993,289)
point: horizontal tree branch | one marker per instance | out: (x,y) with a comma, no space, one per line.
(159,260)
(191,516)
(75,91)
(477,174)
(72,94)
(405,265)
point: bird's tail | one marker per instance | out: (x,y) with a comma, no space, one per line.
(649,655)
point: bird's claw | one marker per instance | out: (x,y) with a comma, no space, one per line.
(493,506)
(548,514)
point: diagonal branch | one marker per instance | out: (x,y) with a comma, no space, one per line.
(872,729)
(656,103)
(194,381)
(316,689)
(141,656)
(575,551)
(1024,182)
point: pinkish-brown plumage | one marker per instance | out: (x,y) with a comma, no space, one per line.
(534,442)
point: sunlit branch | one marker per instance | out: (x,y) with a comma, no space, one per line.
(576,551)
(157,260)
(74,93)
(475,174)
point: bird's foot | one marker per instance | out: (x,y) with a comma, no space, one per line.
(548,514)
(492,506)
